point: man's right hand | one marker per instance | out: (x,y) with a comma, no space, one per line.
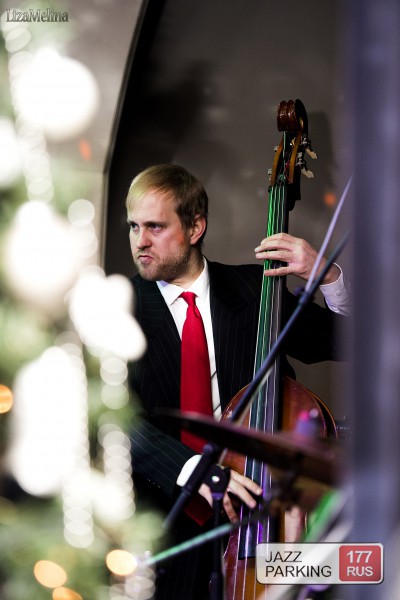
(240,486)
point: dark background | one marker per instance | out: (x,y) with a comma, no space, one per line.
(201,89)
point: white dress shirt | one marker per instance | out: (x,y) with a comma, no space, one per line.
(337,295)
(178,307)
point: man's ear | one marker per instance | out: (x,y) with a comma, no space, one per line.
(197,229)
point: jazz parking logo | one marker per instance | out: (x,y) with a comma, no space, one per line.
(320,563)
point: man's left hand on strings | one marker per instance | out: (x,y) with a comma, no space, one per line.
(298,255)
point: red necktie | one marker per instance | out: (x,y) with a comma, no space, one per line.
(195,389)
(195,369)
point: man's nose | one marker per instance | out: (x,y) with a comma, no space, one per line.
(143,239)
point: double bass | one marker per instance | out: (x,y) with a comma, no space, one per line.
(280,400)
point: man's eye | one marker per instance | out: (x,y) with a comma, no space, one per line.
(133,227)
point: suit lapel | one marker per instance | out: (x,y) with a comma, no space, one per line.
(155,317)
(163,354)
(234,314)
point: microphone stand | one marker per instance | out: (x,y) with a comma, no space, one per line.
(212,452)
(218,484)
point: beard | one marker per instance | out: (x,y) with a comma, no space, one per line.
(167,269)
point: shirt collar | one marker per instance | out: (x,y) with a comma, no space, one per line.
(200,287)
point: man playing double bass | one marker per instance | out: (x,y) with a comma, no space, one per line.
(167,211)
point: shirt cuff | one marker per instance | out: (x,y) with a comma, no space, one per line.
(188,469)
(337,294)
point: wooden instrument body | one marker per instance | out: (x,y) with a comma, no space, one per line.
(241,580)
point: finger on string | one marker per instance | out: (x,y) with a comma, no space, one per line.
(230,511)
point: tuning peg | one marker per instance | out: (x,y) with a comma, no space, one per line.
(311,153)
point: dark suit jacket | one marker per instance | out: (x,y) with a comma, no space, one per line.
(234,299)
(157,454)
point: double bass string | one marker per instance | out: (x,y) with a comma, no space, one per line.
(268,395)
(252,533)
(263,411)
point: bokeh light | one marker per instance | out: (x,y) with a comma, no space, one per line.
(41,255)
(6,399)
(330,199)
(81,212)
(77,503)
(16,34)
(63,593)
(49,573)
(113,370)
(58,94)
(85,149)
(121,562)
(114,500)
(48,423)
(114,396)
(100,308)
(10,154)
